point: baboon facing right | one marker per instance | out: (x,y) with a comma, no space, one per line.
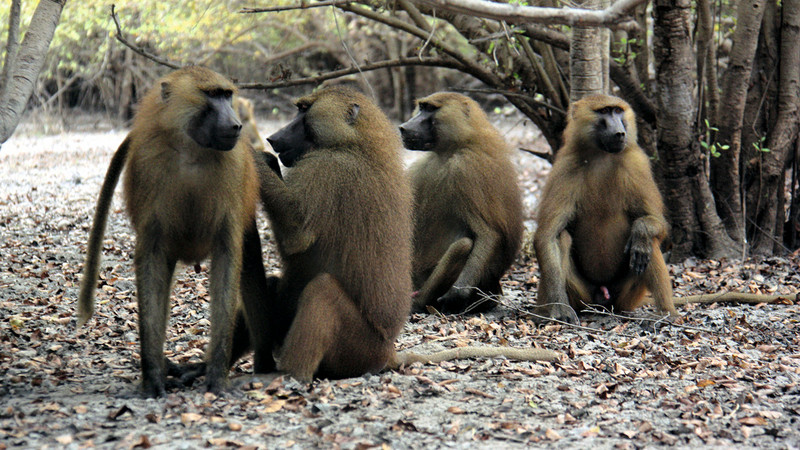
(467,205)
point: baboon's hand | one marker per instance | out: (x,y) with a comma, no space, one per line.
(639,249)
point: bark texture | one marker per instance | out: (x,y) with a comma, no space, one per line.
(725,170)
(27,65)
(687,194)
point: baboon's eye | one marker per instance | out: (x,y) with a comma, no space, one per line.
(219,93)
(303,107)
(609,110)
(427,107)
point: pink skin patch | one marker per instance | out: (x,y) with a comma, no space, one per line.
(414,294)
(606,294)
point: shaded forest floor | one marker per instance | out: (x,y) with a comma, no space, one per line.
(725,375)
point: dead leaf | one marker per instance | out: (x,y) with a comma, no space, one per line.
(64,439)
(122,410)
(274,405)
(629,433)
(222,442)
(478,393)
(403,425)
(774,415)
(187,418)
(753,421)
(143,442)
(705,383)
(591,432)
(746,432)
(453,428)
(552,434)
(455,410)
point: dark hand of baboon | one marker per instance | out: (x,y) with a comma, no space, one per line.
(191,192)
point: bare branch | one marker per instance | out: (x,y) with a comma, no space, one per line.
(302,5)
(547,156)
(140,50)
(436,62)
(515,13)
(467,65)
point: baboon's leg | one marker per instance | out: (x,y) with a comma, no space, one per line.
(255,328)
(226,258)
(444,274)
(578,291)
(329,336)
(655,279)
(154,270)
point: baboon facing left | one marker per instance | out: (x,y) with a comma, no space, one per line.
(341,219)
(191,191)
(467,205)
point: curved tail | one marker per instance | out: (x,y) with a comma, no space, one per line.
(91,268)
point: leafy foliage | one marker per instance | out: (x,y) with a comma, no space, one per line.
(85,52)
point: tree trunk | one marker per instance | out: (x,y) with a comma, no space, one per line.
(12,45)
(586,57)
(696,227)
(769,216)
(27,65)
(725,169)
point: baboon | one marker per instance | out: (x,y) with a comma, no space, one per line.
(342,222)
(601,218)
(191,191)
(244,109)
(467,205)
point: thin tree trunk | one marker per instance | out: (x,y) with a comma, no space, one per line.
(725,169)
(695,224)
(12,47)
(586,58)
(28,63)
(706,56)
(769,230)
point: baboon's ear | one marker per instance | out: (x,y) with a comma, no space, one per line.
(165,90)
(352,113)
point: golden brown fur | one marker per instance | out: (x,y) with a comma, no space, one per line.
(342,223)
(600,220)
(467,205)
(343,227)
(186,202)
